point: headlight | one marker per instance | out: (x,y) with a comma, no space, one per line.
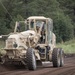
(15,44)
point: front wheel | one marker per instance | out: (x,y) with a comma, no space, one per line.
(31,61)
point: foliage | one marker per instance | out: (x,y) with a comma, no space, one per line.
(68,46)
(61,11)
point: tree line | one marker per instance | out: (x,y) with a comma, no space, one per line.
(61,11)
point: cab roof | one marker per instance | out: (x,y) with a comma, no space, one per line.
(37,17)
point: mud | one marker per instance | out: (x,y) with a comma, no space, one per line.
(46,69)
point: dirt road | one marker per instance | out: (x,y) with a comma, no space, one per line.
(46,69)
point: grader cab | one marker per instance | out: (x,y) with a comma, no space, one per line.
(33,41)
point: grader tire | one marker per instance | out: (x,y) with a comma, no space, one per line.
(61,57)
(56,57)
(31,61)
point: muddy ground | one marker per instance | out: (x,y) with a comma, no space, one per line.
(46,69)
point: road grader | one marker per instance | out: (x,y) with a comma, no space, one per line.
(32,43)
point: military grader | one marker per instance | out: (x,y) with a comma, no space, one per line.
(32,43)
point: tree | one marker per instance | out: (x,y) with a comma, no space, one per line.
(61,11)
(68,6)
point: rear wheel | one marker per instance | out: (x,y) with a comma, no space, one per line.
(31,61)
(56,57)
(61,57)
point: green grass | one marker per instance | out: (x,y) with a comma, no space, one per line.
(69,46)
(2,44)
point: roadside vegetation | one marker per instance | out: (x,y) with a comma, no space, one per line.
(2,44)
(69,46)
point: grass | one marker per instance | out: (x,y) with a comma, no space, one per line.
(69,46)
(2,44)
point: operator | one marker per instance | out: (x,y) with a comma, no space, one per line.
(43,35)
(40,27)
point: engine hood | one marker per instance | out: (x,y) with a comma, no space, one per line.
(23,34)
(27,33)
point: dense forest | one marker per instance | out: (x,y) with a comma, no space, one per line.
(61,11)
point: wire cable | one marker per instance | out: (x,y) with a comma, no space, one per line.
(7,11)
